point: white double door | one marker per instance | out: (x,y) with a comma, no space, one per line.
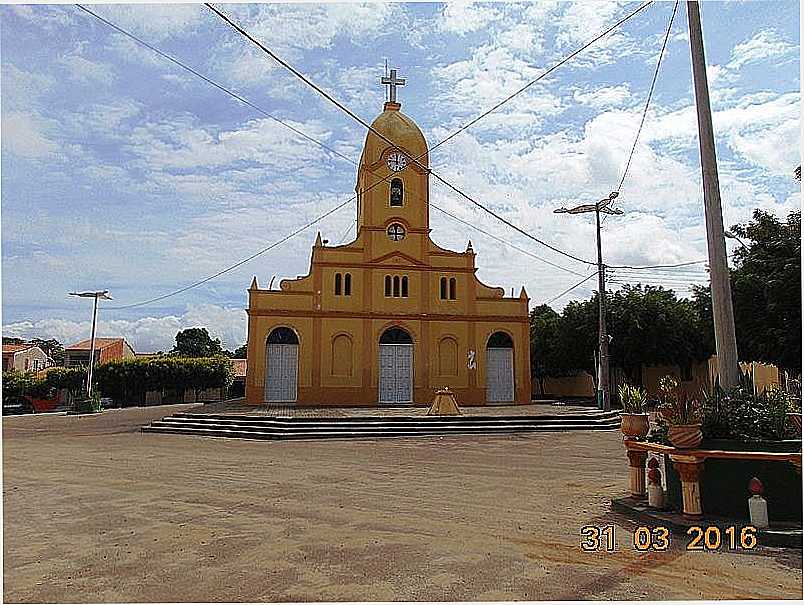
(499,375)
(282,372)
(396,373)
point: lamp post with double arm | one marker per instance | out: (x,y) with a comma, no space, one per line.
(603,206)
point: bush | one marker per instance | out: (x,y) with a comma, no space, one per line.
(125,378)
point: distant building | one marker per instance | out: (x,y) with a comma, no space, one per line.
(25,358)
(106,349)
(238,388)
(692,379)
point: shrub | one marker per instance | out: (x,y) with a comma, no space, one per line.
(122,378)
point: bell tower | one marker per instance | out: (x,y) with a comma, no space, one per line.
(393,178)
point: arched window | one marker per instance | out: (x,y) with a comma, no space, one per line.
(396,286)
(337,284)
(500,340)
(395,336)
(397,192)
(405,286)
(388,285)
(443,288)
(452,288)
(347,284)
(283,336)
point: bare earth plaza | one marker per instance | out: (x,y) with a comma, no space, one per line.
(433,301)
(457,518)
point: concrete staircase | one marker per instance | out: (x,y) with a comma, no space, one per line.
(370,427)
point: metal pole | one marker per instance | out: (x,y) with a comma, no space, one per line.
(722,312)
(602,335)
(92,348)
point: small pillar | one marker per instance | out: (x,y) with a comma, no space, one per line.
(636,463)
(689,469)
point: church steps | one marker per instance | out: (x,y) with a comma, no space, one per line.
(272,428)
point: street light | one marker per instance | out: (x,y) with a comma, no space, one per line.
(103,294)
(603,206)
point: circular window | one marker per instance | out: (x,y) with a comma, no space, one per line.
(396,232)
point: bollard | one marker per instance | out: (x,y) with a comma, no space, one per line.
(655,492)
(757,506)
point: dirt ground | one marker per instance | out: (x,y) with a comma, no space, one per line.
(95,511)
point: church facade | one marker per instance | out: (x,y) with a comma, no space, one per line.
(390,317)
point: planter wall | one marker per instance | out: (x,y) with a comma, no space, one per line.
(724,482)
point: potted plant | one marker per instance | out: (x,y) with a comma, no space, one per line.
(681,413)
(635,420)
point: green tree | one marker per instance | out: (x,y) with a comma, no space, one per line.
(52,348)
(766,291)
(196,342)
(648,326)
(241,351)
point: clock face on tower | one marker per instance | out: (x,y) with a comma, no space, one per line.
(397,161)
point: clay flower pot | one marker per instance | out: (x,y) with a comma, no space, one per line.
(794,418)
(685,436)
(634,426)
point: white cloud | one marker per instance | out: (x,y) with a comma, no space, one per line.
(765,44)
(22,88)
(24,135)
(179,144)
(146,334)
(87,71)
(464,17)
(604,96)
(155,22)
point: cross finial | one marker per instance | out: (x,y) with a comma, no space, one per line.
(392,82)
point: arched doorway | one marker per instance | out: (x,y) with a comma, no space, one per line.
(281,365)
(499,368)
(396,366)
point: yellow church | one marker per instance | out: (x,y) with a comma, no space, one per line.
(391,317)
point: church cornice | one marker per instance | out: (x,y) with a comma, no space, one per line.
(518,317)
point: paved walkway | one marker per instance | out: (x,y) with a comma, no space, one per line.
(238,406)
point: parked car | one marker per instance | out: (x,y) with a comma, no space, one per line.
(17,405)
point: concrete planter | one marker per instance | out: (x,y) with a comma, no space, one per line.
(635,426)
(685,436)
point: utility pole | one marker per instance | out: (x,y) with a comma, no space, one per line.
(104,294)
(722,312)
(602,332)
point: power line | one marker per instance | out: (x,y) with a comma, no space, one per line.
(650,96)
(544,74)
(362,122)
(499,239)
(685,264)
(237,264)
(213,83)
(571,288)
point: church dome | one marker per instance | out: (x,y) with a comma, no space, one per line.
(398,128)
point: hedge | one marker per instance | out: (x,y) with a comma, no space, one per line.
(27,384)
(121,379)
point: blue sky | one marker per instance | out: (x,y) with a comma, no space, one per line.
(121,171)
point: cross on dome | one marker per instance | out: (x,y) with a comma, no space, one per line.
(392,82)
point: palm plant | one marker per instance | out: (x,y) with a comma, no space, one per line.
(633,398)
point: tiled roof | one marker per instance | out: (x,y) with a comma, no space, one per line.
(239,368)
(16,348)
(100,343)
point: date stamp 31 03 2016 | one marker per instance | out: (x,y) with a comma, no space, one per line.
(659,538)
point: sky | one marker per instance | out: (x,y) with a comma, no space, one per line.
(121,171)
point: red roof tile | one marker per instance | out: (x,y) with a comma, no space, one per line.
(239,368)
(100,343)
(16,348)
